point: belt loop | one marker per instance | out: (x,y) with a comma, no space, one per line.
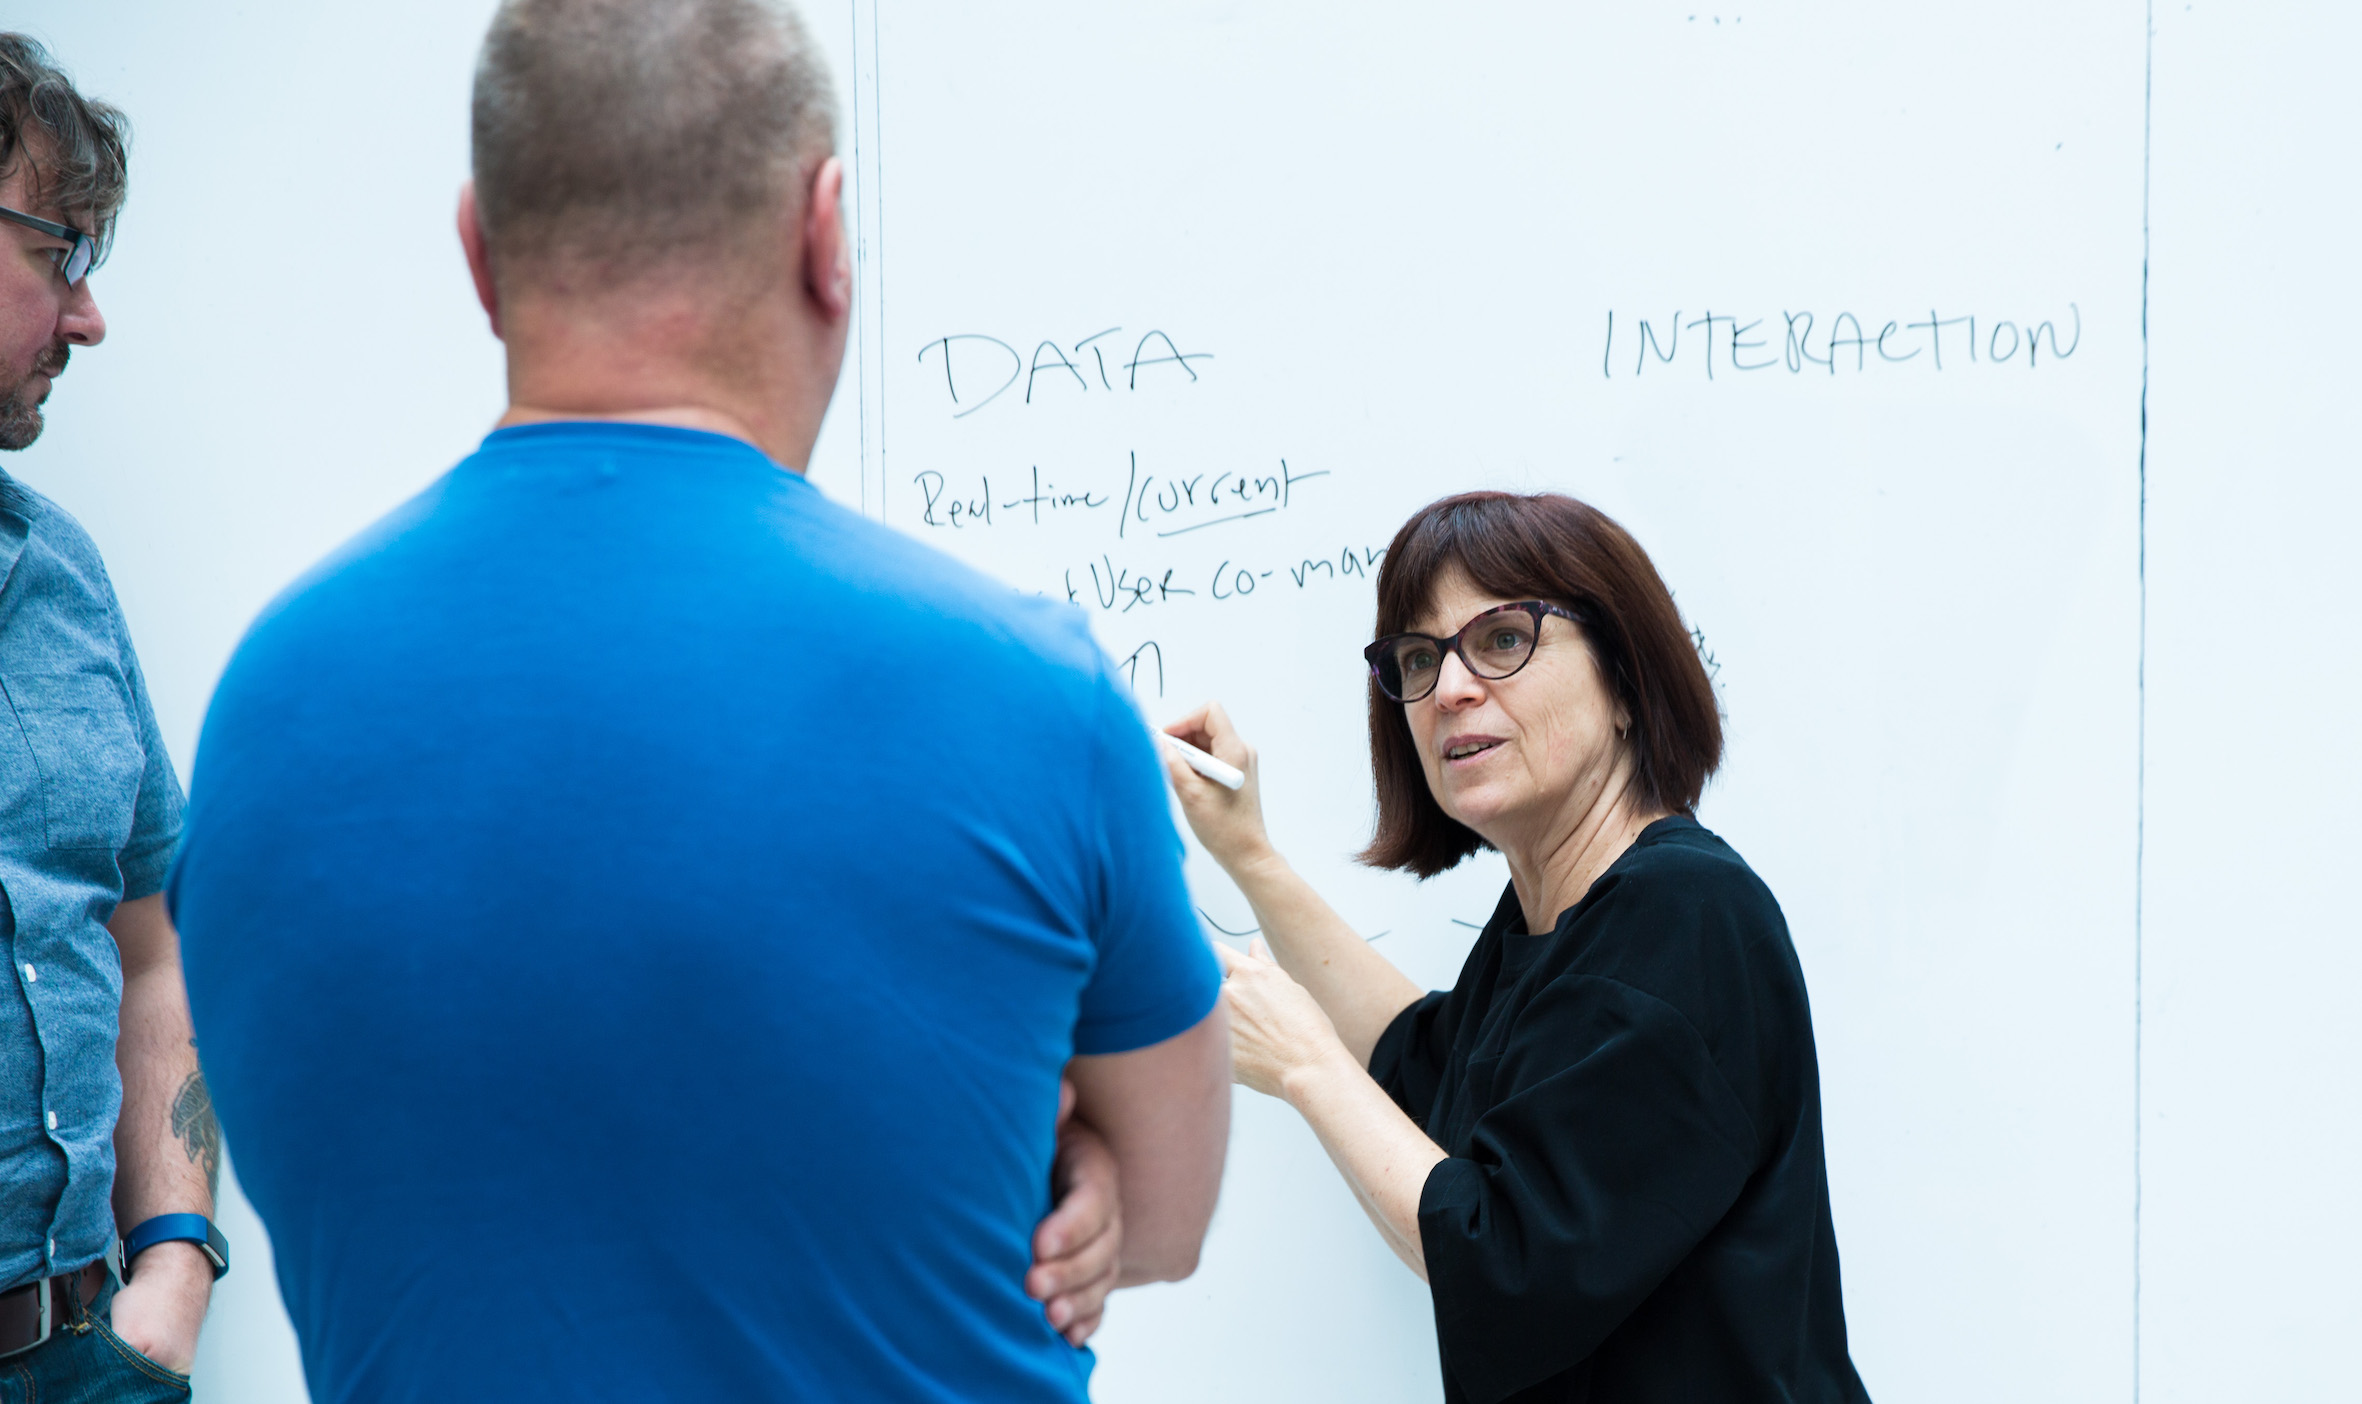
(77,1311)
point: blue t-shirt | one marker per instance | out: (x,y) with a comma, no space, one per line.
(636,912)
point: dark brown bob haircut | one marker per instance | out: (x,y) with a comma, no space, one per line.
(1544,547)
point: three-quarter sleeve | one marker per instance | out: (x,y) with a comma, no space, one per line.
(1408,1059)
(1611,1145)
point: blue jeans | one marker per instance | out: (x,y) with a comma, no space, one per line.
(85,1362)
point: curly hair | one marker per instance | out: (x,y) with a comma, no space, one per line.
(79,148)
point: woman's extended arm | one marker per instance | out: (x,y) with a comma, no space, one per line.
(1282,1046)
(1359,989)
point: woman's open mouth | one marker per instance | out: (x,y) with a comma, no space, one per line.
(1466,748)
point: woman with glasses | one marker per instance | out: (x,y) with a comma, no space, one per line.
(1601,1149)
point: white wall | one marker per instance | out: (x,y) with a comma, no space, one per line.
(2252,1079)
(1400,237)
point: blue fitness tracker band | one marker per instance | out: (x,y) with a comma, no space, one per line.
(178,1228)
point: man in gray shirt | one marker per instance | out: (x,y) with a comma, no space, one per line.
(104,1119)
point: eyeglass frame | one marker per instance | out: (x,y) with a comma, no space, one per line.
(85,249)
(1533,609)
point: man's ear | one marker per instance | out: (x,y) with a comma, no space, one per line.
(479,254)
(828,258)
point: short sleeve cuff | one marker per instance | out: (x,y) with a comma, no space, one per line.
(1153,1026)
(146,864)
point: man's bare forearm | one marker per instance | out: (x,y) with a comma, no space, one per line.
(167,1141)
(1165,1113)
(197,1130)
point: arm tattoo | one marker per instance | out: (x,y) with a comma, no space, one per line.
(199,1132)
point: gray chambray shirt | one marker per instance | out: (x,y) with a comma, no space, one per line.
(89,815)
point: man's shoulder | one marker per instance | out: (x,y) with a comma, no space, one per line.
(315,587)
(857,563)
(49,557)
(952,599)
(55,528)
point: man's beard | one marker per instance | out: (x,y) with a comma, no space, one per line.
(20,417)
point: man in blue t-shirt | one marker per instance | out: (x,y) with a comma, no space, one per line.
(638,913)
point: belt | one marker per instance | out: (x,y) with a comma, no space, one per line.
(32,1313)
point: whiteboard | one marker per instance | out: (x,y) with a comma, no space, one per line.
(1845,329)
(1270,277)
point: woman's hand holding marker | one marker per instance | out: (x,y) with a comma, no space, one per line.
(1280,1028)
(1227,818)
(1214,768)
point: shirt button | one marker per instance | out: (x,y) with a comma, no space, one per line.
(31,975)
(53,1121)
(53,1247)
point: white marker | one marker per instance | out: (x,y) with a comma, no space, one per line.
(1214,768)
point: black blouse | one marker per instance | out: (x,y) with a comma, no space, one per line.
(1636,1205)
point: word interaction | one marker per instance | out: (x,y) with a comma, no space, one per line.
(1728,345)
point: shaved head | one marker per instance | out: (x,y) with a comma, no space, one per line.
(627,139)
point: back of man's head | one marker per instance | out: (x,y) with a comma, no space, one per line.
(618,141)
